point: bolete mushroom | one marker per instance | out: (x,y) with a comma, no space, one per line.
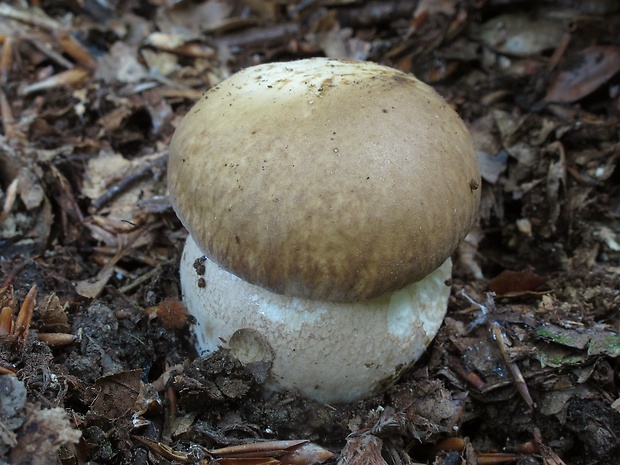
(323,199)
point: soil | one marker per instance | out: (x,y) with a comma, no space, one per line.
(97,363)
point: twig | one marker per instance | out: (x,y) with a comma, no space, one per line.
(32,16)
(71,77)
(14,272)
(8,121)
(139,280)
(469,376)
(500,337)
(11,195)
(258,36)
(126,182)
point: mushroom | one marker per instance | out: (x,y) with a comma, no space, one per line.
(323,199)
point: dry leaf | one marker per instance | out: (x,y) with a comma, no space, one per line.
(510,283)
(118,394)
(521,34)
(589,70)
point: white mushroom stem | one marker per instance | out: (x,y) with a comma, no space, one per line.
(329,351)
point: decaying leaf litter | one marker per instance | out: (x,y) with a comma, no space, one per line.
(95,347)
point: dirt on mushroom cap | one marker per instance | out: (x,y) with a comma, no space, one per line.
(324,179)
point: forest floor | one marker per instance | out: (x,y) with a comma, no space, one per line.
(96,355)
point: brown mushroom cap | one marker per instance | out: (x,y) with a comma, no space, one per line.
(324,179)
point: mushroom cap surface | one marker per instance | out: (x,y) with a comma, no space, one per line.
(324,179)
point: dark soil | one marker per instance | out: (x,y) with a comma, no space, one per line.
(525,368)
